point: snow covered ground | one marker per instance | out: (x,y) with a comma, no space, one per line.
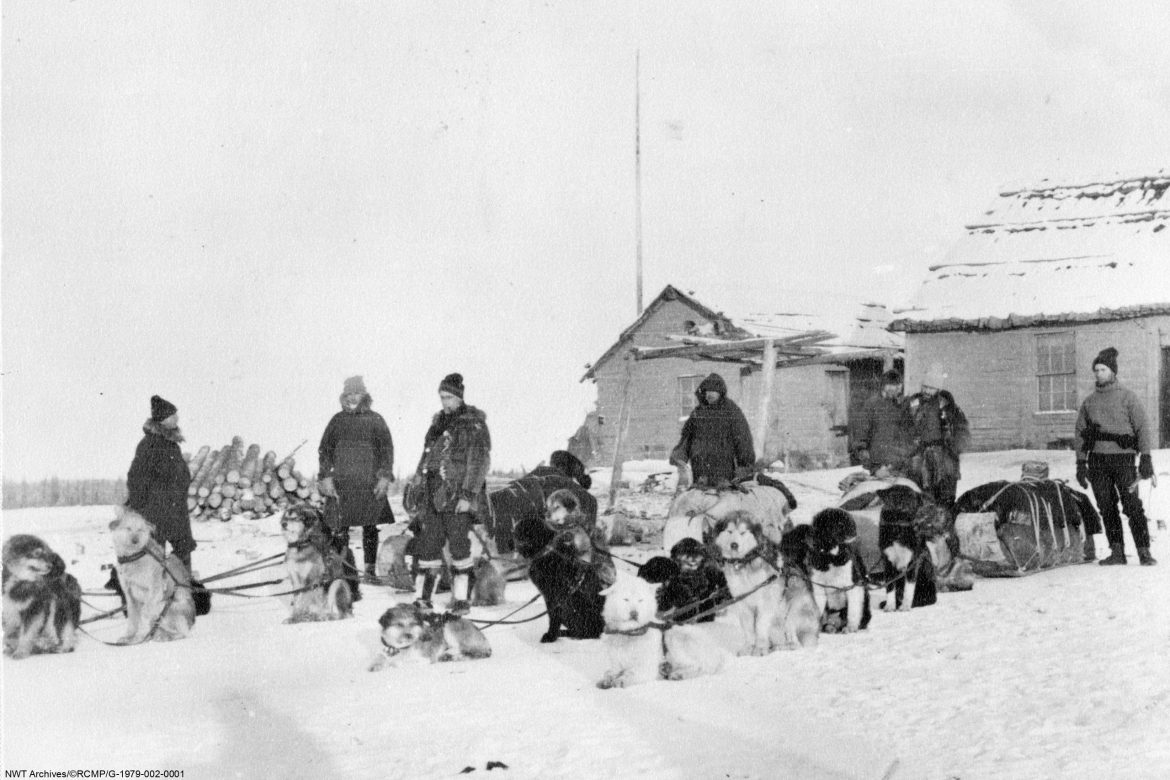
(1061,674)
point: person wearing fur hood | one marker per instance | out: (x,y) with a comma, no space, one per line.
(355,469)
(941,434)
(453,475)
(716,440)
(158,480)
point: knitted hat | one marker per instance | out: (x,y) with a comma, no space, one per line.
(453,384)
(354,385)
(1106,357)
(161,409)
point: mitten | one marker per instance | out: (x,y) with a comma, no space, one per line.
(1145,466)
(1083,474)
(326,488)
(381,487)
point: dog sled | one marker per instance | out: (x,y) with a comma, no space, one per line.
(1011,529)
(861,497)
(695,511)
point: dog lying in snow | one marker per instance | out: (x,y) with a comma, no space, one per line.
(42,602)
(316,571)
(641,650)
(779,614)
(410,634)
(907,563)
(836,573)
(159,602)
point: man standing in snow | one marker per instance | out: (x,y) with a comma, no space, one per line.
(453,473)
(356,467)
(941,434)
(883,436)
(158,480)
(716,440)
(1111,429)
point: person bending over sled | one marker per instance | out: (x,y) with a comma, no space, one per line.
(716,440)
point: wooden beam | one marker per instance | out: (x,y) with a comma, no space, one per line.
(623,422)
(761,436)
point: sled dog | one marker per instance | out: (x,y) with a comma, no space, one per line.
(42,602)
(749,559)
(906,561)
(836,573)
(410,634)
(159,603)
(316,571)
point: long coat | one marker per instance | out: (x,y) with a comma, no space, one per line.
(157,485)
(885,429)
(356,451)
(716,439)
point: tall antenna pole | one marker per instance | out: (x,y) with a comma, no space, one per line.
(638,168)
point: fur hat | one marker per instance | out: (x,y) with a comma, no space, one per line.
(161,409)
(1106,357)
(936,377)
(892,377)
(354,384)
(453,384)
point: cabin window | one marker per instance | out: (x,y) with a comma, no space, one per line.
(1056,372)
(687,386)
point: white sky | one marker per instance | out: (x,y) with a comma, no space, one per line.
(237,205)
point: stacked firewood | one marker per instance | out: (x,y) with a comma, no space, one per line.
(238,481)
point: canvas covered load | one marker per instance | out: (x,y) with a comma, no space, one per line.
(1009,529)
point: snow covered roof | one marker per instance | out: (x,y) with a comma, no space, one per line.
(1051,254)
(844,333)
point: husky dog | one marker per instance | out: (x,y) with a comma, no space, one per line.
(315,569)
(836,573)
(907,563)
(641,650)
(411,634)
(42,602)
(159,603)
(749,561)
(487,584)
(391,567)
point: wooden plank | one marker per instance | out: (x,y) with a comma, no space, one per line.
(623,424)
(769,377)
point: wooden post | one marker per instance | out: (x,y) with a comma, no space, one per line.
(768,379)
(623,422)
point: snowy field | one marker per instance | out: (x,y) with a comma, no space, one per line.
(1060,674)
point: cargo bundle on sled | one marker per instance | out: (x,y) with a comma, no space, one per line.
(1009,529)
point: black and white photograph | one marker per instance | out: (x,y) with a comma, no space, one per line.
(645,389)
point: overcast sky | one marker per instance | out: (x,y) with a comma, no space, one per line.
(237,205)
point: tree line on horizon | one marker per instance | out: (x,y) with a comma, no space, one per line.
(53,491)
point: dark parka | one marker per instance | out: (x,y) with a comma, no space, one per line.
(884,432)
(157,485)
(716,439)
(456,458)
(356,451)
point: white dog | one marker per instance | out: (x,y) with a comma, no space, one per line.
(641,650)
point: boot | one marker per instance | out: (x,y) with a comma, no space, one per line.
(460,586)
(1145,558)
(351,575)
(1116,556)
(424,586)
(1090,548)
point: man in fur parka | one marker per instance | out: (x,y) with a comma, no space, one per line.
(355,469)
(716,440)
(453,473)
(158,480)
(941,434)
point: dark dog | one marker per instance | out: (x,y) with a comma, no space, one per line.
(836,572)
(522,502)
(907,566)
(42,602)
(566,568)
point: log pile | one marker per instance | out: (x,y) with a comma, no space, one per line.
(239,481)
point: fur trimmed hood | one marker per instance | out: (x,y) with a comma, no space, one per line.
(157,429)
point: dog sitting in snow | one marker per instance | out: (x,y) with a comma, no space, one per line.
(906,562)
(316,571)
(836,572)
(157,590)
(569,566)
(42,602)
(641,650)
(772,616)
(411,634)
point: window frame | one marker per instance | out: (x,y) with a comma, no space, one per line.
(1047,372)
